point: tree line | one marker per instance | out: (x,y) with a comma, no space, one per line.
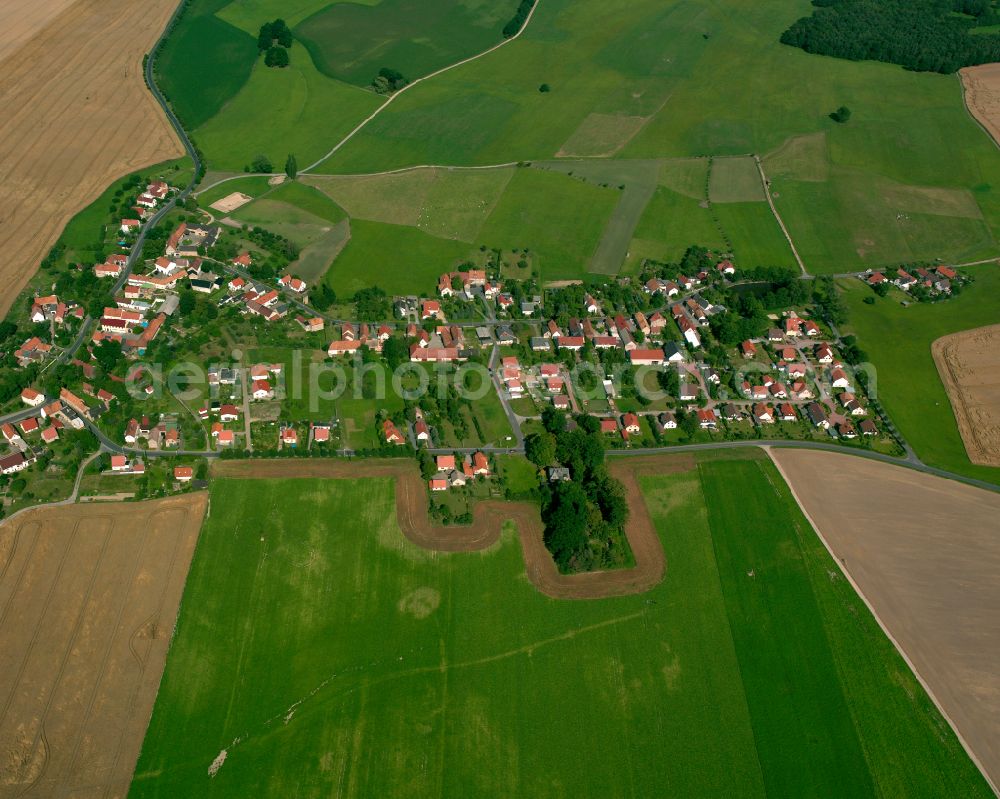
(921,35)
(517,21)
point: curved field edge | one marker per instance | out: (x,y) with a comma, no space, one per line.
(922,553)
(969,367)
(489,518)
(331,654)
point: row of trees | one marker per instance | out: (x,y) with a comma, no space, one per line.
(517,21)
(922,35)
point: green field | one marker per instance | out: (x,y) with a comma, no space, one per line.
(397,259)
(898,342)
(203,45)
(450,203)
(331,657)
(279,112)
(559,218)
(712,80)
(352,41)
(249,15)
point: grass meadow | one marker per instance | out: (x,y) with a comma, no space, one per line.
(278,112)
(396,258)
(712,80)
(898,342)
(204,63)
(330,656)
(559,218)
(352,41)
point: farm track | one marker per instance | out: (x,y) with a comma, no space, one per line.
(76,119)
(489,517)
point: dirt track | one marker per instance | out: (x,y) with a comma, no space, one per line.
(88,599)
(969,365)
(925,554)
(77,116)
(489,516)
(982,96)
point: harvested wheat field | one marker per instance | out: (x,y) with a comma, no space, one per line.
(489,517)
(969,365)
(982,96)
(924,552)
(88,599)
(77,116)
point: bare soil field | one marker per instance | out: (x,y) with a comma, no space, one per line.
(969,365)
(924,553)
(489,517)
(231,202)
(77,116)
(982,96)
(88,600)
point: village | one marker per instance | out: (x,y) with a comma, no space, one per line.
(652,357)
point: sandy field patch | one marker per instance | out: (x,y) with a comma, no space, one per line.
(77,116)
(969,365)
(489,517)
(231,202)
(88,600)
(924,552)
(982,96)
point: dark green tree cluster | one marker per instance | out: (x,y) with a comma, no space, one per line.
(388,81)
(372,304)
(584,517)
(274,40)
(517,21)
(322,297)
(922,35)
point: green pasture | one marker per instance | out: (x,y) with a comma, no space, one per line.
(295,110)
(559,218)
(318,652)
(898,343)
(450,203)
(352,41)
(397,259)
(204,63)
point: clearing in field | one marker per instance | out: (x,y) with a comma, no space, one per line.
(981,87)
(88,599)
(969,365)
(231,202)
(332,655)
(925,555)
(107,123)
